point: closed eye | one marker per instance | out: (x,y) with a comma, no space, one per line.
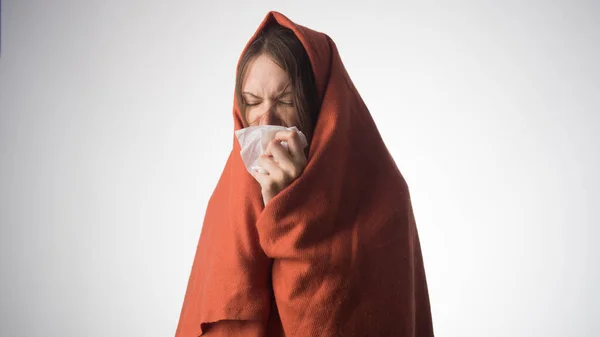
(251,103)
(286,103)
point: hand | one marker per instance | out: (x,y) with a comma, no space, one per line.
(282,166)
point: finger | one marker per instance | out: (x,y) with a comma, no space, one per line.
(284,159)
(294,144)
(262,178)
(276,150)
(269,165)
(273,142)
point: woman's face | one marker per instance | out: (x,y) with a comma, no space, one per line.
(268,94)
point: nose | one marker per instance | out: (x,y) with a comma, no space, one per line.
(269,117)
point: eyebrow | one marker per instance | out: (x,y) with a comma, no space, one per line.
(255,96)
(280,95)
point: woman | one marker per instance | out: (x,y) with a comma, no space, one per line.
(333,250)
(275,86)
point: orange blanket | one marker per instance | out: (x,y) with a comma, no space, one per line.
(336,253)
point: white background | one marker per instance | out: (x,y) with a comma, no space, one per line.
(116,121)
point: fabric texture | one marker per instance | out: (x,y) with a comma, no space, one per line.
(336,253)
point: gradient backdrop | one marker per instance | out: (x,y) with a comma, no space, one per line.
(115,124)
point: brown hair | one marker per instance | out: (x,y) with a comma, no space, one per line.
(286,50)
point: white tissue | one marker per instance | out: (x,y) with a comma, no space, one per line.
(254,140)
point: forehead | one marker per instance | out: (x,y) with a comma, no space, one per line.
(263,76)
